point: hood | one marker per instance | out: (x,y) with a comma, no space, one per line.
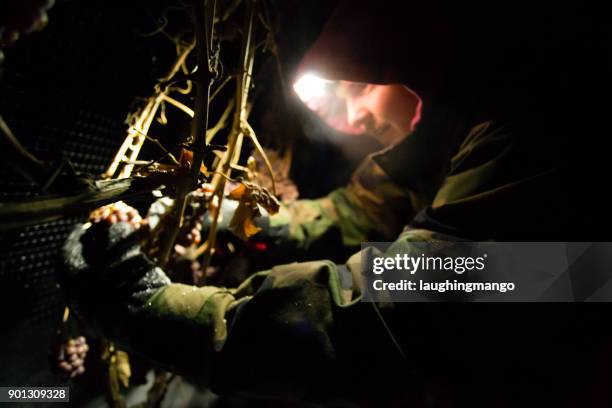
(434,46)
(369,42)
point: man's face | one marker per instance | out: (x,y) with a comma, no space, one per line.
(386,112)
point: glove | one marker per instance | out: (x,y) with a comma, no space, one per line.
(101,261)
(112,285)
(201,227)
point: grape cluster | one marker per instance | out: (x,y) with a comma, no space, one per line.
(191,233)
(183,266)
(71,357)
(117,212)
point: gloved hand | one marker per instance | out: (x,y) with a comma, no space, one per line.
(103,254)
(200,226)
(197,227)
(119,292)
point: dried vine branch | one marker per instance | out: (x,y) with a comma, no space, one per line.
(140,124)
(221,123)
(22,160)
(204,26)
(243,82)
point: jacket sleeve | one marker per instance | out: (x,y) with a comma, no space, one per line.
(371,207)
(296,331)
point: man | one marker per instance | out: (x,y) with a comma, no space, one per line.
(489,160)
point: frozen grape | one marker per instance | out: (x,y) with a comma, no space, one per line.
(71,357)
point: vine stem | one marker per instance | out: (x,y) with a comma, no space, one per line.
(243,82)
(204,13)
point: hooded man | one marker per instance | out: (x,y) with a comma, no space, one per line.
(492,99)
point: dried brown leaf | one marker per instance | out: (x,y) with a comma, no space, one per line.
(250,195)
(242,223)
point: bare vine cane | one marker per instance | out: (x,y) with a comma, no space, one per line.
(204,14)
(236,134)
(142,120)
